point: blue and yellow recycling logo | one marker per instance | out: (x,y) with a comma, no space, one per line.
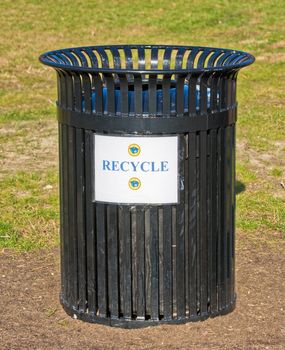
(134,150)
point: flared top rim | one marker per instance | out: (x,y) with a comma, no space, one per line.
(146,59)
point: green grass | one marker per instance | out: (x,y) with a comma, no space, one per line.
(29,210)
(28,213)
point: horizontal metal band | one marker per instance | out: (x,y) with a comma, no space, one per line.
(145,124)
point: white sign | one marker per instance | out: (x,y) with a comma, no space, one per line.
(136,169)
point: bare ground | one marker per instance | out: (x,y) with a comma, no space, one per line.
(32,317)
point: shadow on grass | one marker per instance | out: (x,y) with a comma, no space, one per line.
(240,187)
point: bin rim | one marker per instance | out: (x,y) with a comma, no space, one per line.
(46,58)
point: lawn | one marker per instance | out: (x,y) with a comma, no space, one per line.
(29,216)
(32,317)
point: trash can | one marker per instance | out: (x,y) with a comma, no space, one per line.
(147,181)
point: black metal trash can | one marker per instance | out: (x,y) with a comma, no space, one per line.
(147,181)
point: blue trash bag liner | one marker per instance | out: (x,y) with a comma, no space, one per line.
(145,100)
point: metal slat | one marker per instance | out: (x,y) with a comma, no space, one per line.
(80,208)
(180,235)
(192,228)
(166,81)
(138,94)
(90,221)
(110,84)
(113,267)
(72,210)
(63,238)
(152,95)
(203,262)
(180,95)
(167,265)
(102,252)
(154,270)
(214,221)
(140,263)
(125,262)
(124,96)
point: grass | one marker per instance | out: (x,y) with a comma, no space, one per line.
(28,176)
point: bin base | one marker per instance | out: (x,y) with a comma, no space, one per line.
(135,323)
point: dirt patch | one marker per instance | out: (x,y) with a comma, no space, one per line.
(32,317)
(264,162)
(272,57)
(28,146)
(278,45)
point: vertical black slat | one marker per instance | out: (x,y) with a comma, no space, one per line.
(233,205)
(186,222)
(203,223)
(69,91)
(229,212)
(134,261)
(80,204)
(140,257)
(214,222)
(174,257)
(166,81)
(198,230)
(180,235)
(154,58)
(227,209)
(141,58)
(192,225)
(192,94)
(124,94)
(147,265)
(77,93)
(152,95)
(138,94)
(86,84)
(125,262)
(167,58)
(223,92)
(160,262)
(102,252)
(223,236)
(214,92)
(203,94)
(154,254)
(98,85)
(89,223)
(113,267)
(224,210)
(180,95)
(65,210)
(209,216)
(72,218)
(219,216)
(167,262)
(110,84)
(62,98)
(63,233)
